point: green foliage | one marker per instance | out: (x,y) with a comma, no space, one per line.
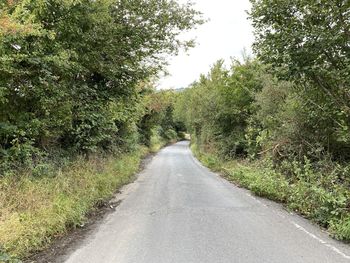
(35,210)
(317,196)
(75,88)
(288,110)
(307,42)
(160,114)
(274,125)
(305,39)
(341,228)
(72,72)
(217,107)
(5,258)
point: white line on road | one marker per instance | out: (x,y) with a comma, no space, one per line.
(336,250)
(331,247)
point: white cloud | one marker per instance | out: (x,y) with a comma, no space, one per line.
(226,35)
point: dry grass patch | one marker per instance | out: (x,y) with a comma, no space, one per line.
(35,210)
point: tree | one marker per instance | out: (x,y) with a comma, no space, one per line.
(67,66)
(307,42)
(217,108)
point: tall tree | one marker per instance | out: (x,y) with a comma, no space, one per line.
(308,42)
(65,65)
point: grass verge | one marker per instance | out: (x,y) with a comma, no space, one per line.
(320,198)
(33,211)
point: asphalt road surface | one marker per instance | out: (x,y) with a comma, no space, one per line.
(179,211)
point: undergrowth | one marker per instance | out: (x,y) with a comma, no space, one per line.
(320,197)
(35,210)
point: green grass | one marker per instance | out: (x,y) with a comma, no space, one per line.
(33,211)
(321,198)
(157,143)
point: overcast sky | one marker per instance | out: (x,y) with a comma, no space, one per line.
(226,35)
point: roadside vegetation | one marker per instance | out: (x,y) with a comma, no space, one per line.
(78,107)
(37,209)
(278,123)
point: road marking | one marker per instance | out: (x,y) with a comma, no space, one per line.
(256,199)
(333,248)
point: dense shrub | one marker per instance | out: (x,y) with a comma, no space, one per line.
(72,73)
(160,113)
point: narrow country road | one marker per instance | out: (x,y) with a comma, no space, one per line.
(179,212)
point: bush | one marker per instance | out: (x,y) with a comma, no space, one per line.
(72,80)
(341,228)
(170,135)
